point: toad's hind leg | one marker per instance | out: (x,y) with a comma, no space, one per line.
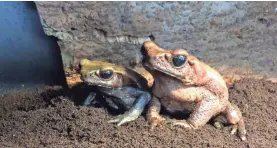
(235,118)
(203,112)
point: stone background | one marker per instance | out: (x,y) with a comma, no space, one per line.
(227,35)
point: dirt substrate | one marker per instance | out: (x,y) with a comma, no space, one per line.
(49,118)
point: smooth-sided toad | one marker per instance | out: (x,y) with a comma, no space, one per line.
(128,88)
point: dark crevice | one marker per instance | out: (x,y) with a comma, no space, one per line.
(58,77)
(35,59)
(103,32)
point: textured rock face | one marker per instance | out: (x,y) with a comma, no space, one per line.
(223,34)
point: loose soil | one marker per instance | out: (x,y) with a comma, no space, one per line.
(52,117)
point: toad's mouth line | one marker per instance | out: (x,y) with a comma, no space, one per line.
(156,68)
(95,84)
(152,66)
(99,85)
(167,73)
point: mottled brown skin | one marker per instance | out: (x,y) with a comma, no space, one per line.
(193,81)
(128,88)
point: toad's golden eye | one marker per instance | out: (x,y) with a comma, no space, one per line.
(106,74)
(179,60)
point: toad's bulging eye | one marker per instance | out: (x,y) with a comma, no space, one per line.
(106,74)
(179,60)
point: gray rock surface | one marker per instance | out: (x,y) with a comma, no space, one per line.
(223,34)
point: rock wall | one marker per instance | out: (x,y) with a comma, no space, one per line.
(236,35)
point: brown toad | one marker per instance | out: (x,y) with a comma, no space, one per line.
(181,78)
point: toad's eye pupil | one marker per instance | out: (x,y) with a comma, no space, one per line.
(106,74)
(179,60)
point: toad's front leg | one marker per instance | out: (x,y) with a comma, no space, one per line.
(153,113)
(90,99)
(137,106)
